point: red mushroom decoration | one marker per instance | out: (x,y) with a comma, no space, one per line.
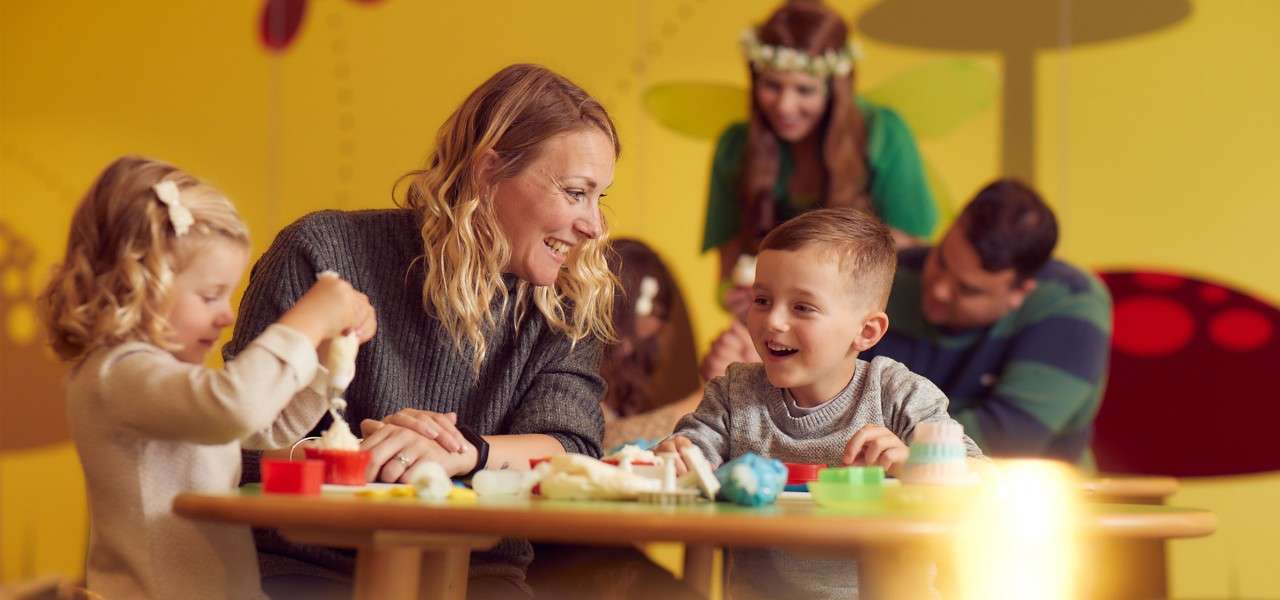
(1190,390)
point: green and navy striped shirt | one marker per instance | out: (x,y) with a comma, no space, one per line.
(1029,384)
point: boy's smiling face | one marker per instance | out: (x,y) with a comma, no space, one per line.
(808,322)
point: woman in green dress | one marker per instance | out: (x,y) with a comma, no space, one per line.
(808,142)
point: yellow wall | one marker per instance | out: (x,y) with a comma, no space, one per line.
(1157,151)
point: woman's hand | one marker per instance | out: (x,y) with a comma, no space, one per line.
(395,450)
(441,427)
(876,445)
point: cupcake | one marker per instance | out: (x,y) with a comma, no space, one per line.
(344,461)
(937,455)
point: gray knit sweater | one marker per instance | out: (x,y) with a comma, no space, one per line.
(741,412)
(532,380)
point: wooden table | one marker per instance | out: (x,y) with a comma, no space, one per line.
(408,548)
(1143,560)
(1129,489)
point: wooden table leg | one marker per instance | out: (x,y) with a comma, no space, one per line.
(1129,568)
(390,573)
(395,565)
(699,562)
(888,573)
(444,574)
(1125,569)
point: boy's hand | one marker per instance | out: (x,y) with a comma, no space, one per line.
(674,444)
(875,445)
(331,308)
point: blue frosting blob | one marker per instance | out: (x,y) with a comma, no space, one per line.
(770,477)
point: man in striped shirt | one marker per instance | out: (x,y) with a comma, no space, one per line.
(1018,341)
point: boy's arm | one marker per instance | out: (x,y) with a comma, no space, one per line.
(708,425)
(909,399)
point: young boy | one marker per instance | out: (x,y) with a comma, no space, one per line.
(822,281)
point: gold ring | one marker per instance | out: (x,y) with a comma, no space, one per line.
(404,462)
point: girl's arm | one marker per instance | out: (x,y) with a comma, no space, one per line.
(298,419)
(150,390)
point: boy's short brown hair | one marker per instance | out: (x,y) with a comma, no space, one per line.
(863,245)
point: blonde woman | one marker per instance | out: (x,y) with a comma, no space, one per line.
(493,297)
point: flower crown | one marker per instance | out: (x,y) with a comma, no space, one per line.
(782,58)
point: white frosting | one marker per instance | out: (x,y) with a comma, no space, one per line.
(746,478)
(338,436)
(700,474)
(431,481)
(496,482)
(578,477)
(669,471)
(340,360)
(633,453)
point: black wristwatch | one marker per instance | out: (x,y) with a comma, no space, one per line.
(482,448)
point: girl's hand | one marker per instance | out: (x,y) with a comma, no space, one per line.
(395,450)
(737,300)
(332,308)
(903,240)
(875,445)
(732,346)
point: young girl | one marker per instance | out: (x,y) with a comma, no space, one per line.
(142,295)
(645,314)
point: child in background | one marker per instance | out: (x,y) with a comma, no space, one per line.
(141,297)
(644,307)
(822,282)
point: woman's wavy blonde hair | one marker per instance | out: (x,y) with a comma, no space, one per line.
(122,253)
(465,250)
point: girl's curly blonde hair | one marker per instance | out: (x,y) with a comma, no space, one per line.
(465,250)
(122,253)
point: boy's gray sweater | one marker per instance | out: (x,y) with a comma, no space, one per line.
(742,412)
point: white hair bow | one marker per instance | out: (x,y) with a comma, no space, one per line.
(648,291)
(179,215)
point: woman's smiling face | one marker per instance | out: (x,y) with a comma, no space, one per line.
(793,103)
(553,204)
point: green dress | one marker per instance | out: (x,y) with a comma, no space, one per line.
(899,192)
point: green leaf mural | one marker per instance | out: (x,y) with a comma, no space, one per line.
(938,96)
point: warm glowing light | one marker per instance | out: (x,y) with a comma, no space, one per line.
(1020,539)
